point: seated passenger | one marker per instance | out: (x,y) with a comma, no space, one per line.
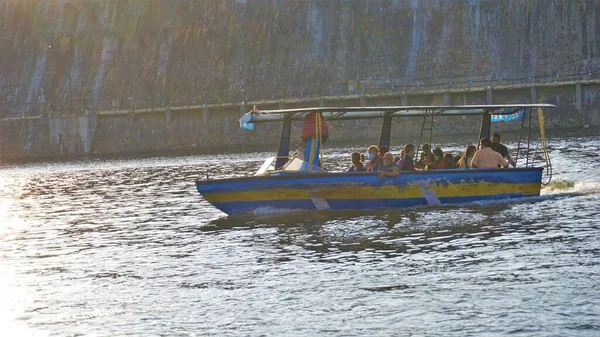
(456,159)
(407,163)
(357,165)
(465,161)
(375,160)
(438,160)
(501,148)
(419,163)
(426,157)
(388,169)
(398,160)
(485,157)
(449,159)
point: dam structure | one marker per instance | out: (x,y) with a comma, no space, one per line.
(85,78)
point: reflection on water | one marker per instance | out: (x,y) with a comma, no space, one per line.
(340,235)
(128,247)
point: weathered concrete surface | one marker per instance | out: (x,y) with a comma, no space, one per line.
(111,49)
(127,132)
(91,56)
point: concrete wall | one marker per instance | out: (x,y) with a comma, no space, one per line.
(92,58)
(104,51)
(216,129)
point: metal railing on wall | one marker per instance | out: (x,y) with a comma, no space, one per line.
(236,96)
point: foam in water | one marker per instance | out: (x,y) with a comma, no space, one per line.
(266,210)
(564,186)
(506,201)
(558,188)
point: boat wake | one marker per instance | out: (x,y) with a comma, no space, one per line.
(569,187)
(556,190)
(269,210)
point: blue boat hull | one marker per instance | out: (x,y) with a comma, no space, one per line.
(365,191)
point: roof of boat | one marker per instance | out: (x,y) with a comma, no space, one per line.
(345,113)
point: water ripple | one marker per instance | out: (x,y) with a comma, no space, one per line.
(128,247)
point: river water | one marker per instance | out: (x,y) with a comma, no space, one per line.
(128,248)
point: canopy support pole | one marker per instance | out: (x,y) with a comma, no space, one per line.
(486,124)
(386,131)
(528,140)
(525,111)
(284,144)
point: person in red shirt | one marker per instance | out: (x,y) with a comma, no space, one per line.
(438,160)
(449,159)
(375,160)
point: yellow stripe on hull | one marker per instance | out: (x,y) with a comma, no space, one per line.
(383,192)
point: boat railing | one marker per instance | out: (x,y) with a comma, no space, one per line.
(525,150)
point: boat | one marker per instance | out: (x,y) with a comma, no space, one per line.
(285,183)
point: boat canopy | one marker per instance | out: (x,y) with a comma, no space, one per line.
(346,113)
(488,113)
